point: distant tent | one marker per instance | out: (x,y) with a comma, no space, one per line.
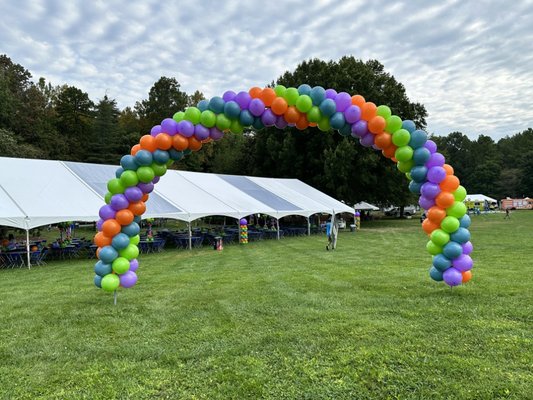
(480,198)
(364,206)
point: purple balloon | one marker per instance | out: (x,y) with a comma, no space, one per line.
(256,107)
(352,114)
(343,101)
(431,146)
(435,160)
(99,224)
(128,279)
(186,128)
(215,133)
(156,179)
(331,94)
(228,95)
(107,212)
(243,100)
(367,140)
(119,202)
(463,263)
(201,132)
(467,248)
(268,118)
(134,265)
(169,126)
(243,221)
(359,129)
(436,174)
(430,190)
(133,194)
(156,130)
(452,276)
(281,123)
(426,203)
(146,187)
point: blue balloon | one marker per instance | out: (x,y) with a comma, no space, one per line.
(232,109)
(216,104)
(98,281)
(414,187)
(435,274)
(175,154)
(465,221)
(346,130)
(144,158)
(161,156)
(187,152)
(246,118)
(305,89)
(328,107)
(132,229)
(461,235)
(137,219)
(120,241)
(418,139)
(337,121)
(318,95)
(258,124)
(452,250)
(441,262)
(419,173)
(102,269)
(119,172)
(408,125)
(203,105)
(421,155)
(107,254)
(128,163)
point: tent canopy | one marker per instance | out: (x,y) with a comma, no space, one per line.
(41,192)
(364,206)
(480,198)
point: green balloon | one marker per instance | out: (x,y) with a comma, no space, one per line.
(135,240)
(408,176)
(120,265)
(159,169)
(107,197)
(460,193)
(314,114)
(145,174)
(115,186)
(192,114)
(178,116)
(384,112)
(401,137)
(170,162)
(236,126)
(449,224)
(129,178)
(394,123)
(280,90)
(457,209)
(323,124)
(110,282)
(405,166)
(304,103)
(223,122)
(291,95)
(433,249)
(404,154)
(439,237)
(208,118)
(130,252)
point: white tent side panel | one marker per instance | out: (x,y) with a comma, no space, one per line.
(10,214)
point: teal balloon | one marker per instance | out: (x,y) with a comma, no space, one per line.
(414,187)
(203,105)
(143,158)
(258,124)
(304,89)
(441,262)
(346,130)
(98,281)
(246,118)
(216,104)
(128,163)
(175,155)
(337,120)
(419,173)
(435,274)
(452,250)
(449,224)
(120,241)
(465,221)
(318,95)
(461,235)
(107,254)
(110,282)
(232,109)
(161,156)
(418,139)
(118,172)
(328,107)
(102,269)
(409,126)
(421,155)
(132,229)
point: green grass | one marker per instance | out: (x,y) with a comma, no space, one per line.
(280,320)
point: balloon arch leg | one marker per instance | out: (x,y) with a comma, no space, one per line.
(352,116)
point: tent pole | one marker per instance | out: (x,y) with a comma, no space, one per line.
(308,227)
(28,247)
(190,236)
(277,223)
(115,298)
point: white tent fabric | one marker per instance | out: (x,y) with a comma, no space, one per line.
(40,192)
(364,206)
(480,198)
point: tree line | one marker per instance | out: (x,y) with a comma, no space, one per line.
(40,120)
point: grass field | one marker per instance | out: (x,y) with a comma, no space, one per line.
(280,320)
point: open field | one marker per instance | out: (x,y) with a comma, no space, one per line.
(280,320)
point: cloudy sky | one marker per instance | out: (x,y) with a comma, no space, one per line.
(469,62)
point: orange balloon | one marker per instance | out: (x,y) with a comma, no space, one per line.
(137,207)
(279,106)
(358,100)
(255,92)
(101,240)
(450,183)
(268,95)
(448,168)
(135,149)
(111,227)
(377,124)
(208,140)
(368,111)
(124,217)
(194,144)
(180,143)
(436,214)
(145,197)
(467,275)
(163,141)
(383,140)
(389,151)
(429,226)
(147,142)
(98,252)
(312,124)
(292,115)
(302,123)
(444,199)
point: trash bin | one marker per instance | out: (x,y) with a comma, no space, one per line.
(218,244)
(352,228)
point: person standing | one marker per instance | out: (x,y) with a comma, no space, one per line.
(507,214)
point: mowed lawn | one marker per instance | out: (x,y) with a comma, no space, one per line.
(280,320)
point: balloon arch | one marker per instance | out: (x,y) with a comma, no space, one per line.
(352,116)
